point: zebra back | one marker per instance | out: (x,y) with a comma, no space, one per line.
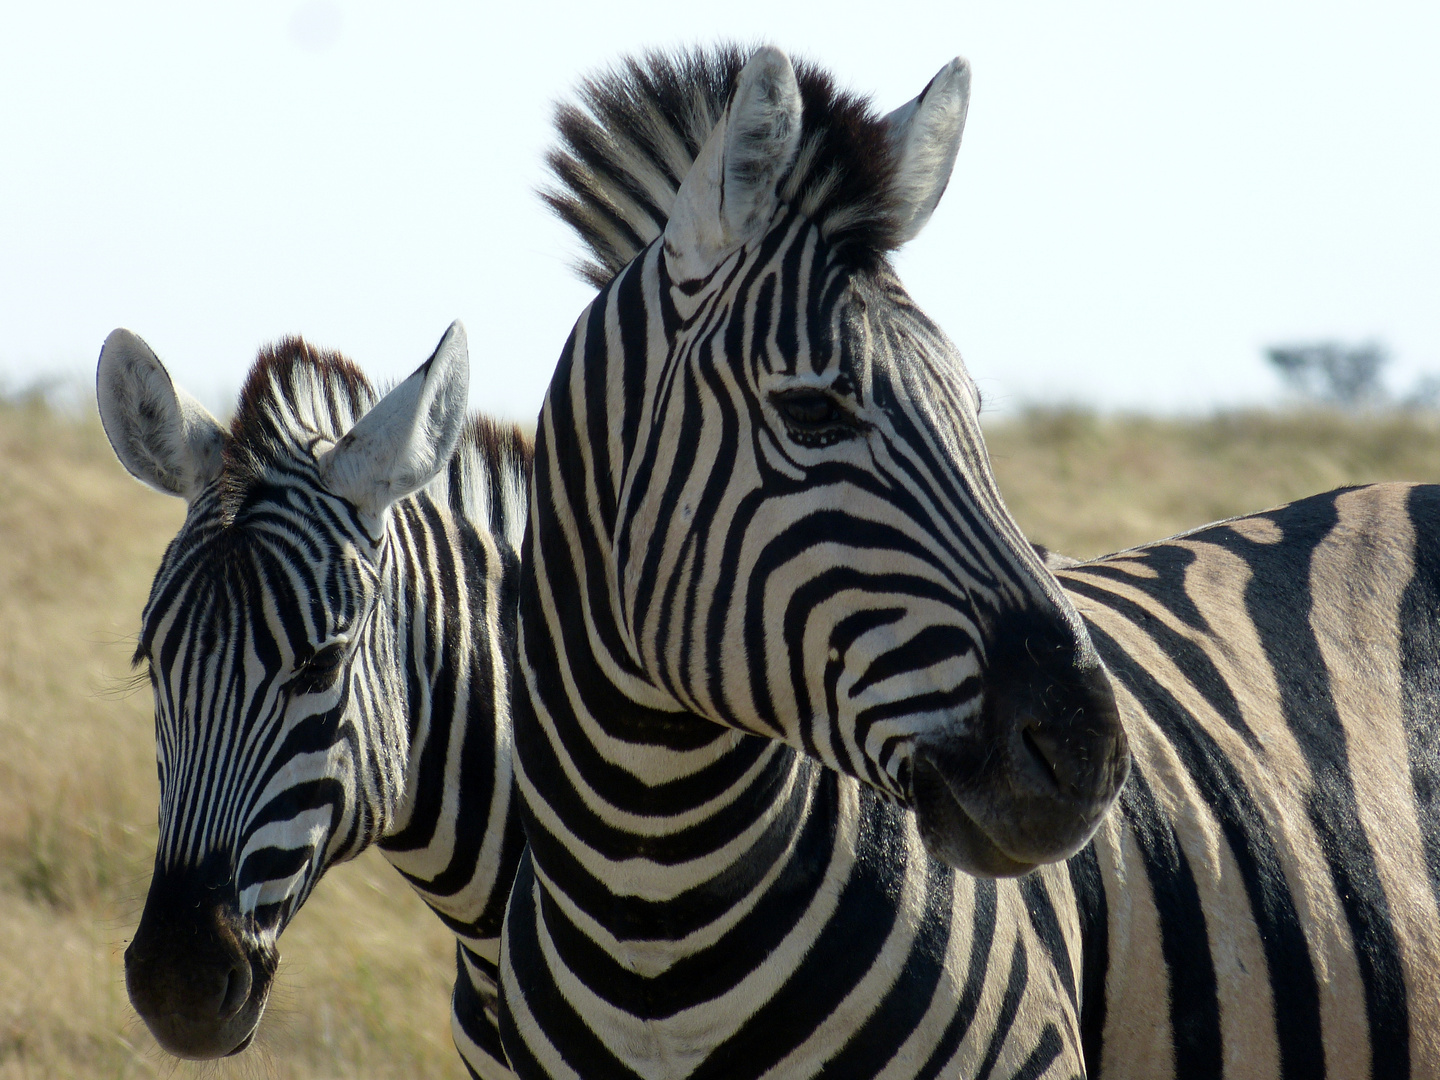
(1265,902)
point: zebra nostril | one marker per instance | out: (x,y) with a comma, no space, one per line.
(1045,753)
(237,990)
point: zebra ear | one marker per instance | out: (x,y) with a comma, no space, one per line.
(408,437)
(925,133)
(160,433)
(728,196)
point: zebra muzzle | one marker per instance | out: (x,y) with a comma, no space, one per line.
(1028,780)
(194,975)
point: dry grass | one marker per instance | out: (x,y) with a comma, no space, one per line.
(1085,485)
(365,985)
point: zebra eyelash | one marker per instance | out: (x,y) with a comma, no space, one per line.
(318,670)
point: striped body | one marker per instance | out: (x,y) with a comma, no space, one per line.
(1268,886)
(776,629)
(840,945)
(326,678)
(703,901)
(1263,901)
(699,902)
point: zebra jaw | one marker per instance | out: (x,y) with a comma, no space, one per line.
(952,835)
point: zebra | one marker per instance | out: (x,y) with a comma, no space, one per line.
(1261,901)
(786,659)
(330,641)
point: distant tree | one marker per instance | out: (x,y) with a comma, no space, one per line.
(1347,376)
(1425,395)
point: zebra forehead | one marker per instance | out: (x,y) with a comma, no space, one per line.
(635,130)
(231,590)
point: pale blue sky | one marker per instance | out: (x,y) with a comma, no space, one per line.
(1146,194)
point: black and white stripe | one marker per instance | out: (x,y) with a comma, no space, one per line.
(1265,901)
(785,653)
(330,638)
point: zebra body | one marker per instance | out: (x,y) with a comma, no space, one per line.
(330,638)
(1263,902)
(785,654)
(1233,917)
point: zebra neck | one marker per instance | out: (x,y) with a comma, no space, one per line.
(682,833)
(455,836)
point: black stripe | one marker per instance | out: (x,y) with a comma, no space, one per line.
(1248,832)
(1009,1006)
(474,1008)
(1281,606)
(562,1026)
(703,975)
(1046,923)
(1094,917)
(1184,940)
(1419,624)
(1199,670)
(982,939)
(913,992)
(842,955)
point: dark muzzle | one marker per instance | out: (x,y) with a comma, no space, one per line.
(1028,780)
(193,973)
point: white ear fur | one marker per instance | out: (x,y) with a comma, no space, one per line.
(728,196)
(926,135)
(160,433)
(407,438)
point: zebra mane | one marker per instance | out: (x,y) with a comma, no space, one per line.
(294,396)
(637,128)
(297,394)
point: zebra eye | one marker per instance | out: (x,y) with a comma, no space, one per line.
(814,417)
(319,671)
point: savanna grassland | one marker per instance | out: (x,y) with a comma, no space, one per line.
(364,986)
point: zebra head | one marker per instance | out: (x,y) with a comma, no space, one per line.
(783,456)
(275,681)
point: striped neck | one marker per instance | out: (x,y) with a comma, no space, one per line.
(452,569)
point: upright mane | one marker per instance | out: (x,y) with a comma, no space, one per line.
(296,391)
(297,394)
(636,129)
